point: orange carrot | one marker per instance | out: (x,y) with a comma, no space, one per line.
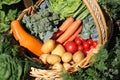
(63,27)
(26,40)
(66,24)
(73,27)
(75,34)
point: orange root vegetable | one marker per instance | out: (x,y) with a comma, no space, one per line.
(66,24)
(63,27)
(69,32)
(26,40)
(75,34)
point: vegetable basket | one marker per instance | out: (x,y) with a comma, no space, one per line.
(103,24)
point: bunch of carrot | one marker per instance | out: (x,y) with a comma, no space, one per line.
(69,29)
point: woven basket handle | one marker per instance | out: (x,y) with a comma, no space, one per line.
(29,10)
(99,20)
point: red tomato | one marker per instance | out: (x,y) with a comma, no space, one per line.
(85,52)
(91,47)
(86,46)
(83,40)
(94,43)
(78,41)
(90,41)
(80,48)
(71,47)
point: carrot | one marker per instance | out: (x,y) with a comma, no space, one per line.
(63,27)
(75,34)
(26,40)
(73,27)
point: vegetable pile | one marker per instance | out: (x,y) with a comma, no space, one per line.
(54,53)
(64,36)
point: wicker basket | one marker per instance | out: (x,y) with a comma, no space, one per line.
(103,26)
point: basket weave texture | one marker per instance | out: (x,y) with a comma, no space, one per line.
(103,27)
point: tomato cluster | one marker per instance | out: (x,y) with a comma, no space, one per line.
(80,44)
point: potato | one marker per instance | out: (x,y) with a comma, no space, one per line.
(78,56)
(48,46)
(52,59)
(66,57)
(43,58)
(66,66)
(57,66)
(59,50)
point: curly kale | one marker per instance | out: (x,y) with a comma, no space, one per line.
(89,29)
(42,24)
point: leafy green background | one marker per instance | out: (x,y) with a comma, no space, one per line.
(9,10)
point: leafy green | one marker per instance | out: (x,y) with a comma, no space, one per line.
(112,6)
(42,24)
(89,29)
(67,8)
(7,14)
(8,2)
(6,18)
(12,65)
(12,68)
(8,45)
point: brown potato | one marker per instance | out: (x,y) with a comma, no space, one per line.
(57,66)
(52,59)
(48,46)
(78,56)
(66,66)
(59,50)
(66,57)
(43,58)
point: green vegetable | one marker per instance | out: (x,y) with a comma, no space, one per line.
(12,68)
(112,6)
(42,24)
(89,30)
(6,18)
(7,13)
(8,45)
(8,2)
(68,8)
